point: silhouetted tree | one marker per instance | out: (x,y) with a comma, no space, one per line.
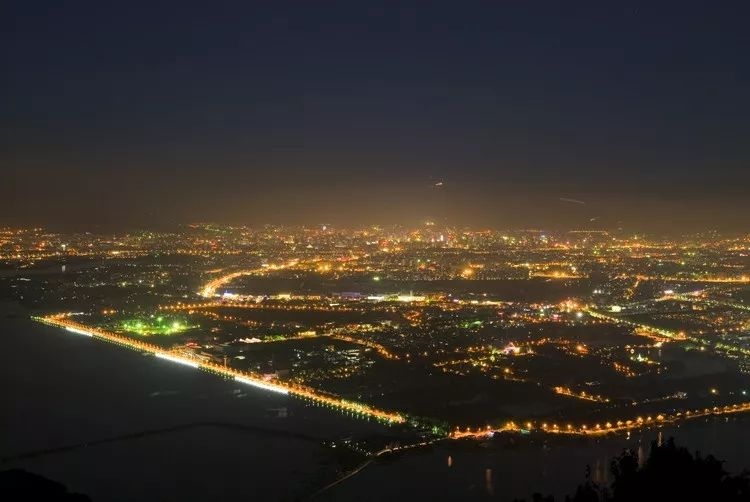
(669,473)
(538,497)
(673,473)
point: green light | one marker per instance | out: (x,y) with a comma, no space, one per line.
(155,326)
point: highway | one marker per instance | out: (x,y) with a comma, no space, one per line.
(673,335)
(606,428)
(717,280)
(303,392)
(209,290)
(65,321)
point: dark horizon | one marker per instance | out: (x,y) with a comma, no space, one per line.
(551,116)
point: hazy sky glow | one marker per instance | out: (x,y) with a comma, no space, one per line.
(305,112)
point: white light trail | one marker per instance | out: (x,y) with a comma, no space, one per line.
(261,385)
(178,360)
(78,331)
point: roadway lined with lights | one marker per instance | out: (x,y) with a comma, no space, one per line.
(676,336)
(608,427)
(299,391)
(598,428)
(303,392)
(714,280)
(660,331)
(709,301)
(209,290)
(565,391)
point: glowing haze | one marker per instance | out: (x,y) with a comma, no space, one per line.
(499,115)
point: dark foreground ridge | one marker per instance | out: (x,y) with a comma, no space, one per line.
(671,472)
(19,485)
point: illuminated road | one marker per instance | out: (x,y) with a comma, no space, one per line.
(673,335)
(599,428)
(718,280)
(564,391)
(64,321)
(708,301)
(300,391)
(256,306)
(209,289)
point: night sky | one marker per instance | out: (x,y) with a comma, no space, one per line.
(121,114)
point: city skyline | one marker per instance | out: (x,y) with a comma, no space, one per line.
(413,344)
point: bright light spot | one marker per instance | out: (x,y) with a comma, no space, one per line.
(178,360)
(261,385)
(78,331)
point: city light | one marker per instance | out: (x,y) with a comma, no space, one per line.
(338,342)
(79,331)
(261,385)
(178,360)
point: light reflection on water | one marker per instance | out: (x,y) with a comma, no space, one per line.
(450,470)
(488,482)
(469,472)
